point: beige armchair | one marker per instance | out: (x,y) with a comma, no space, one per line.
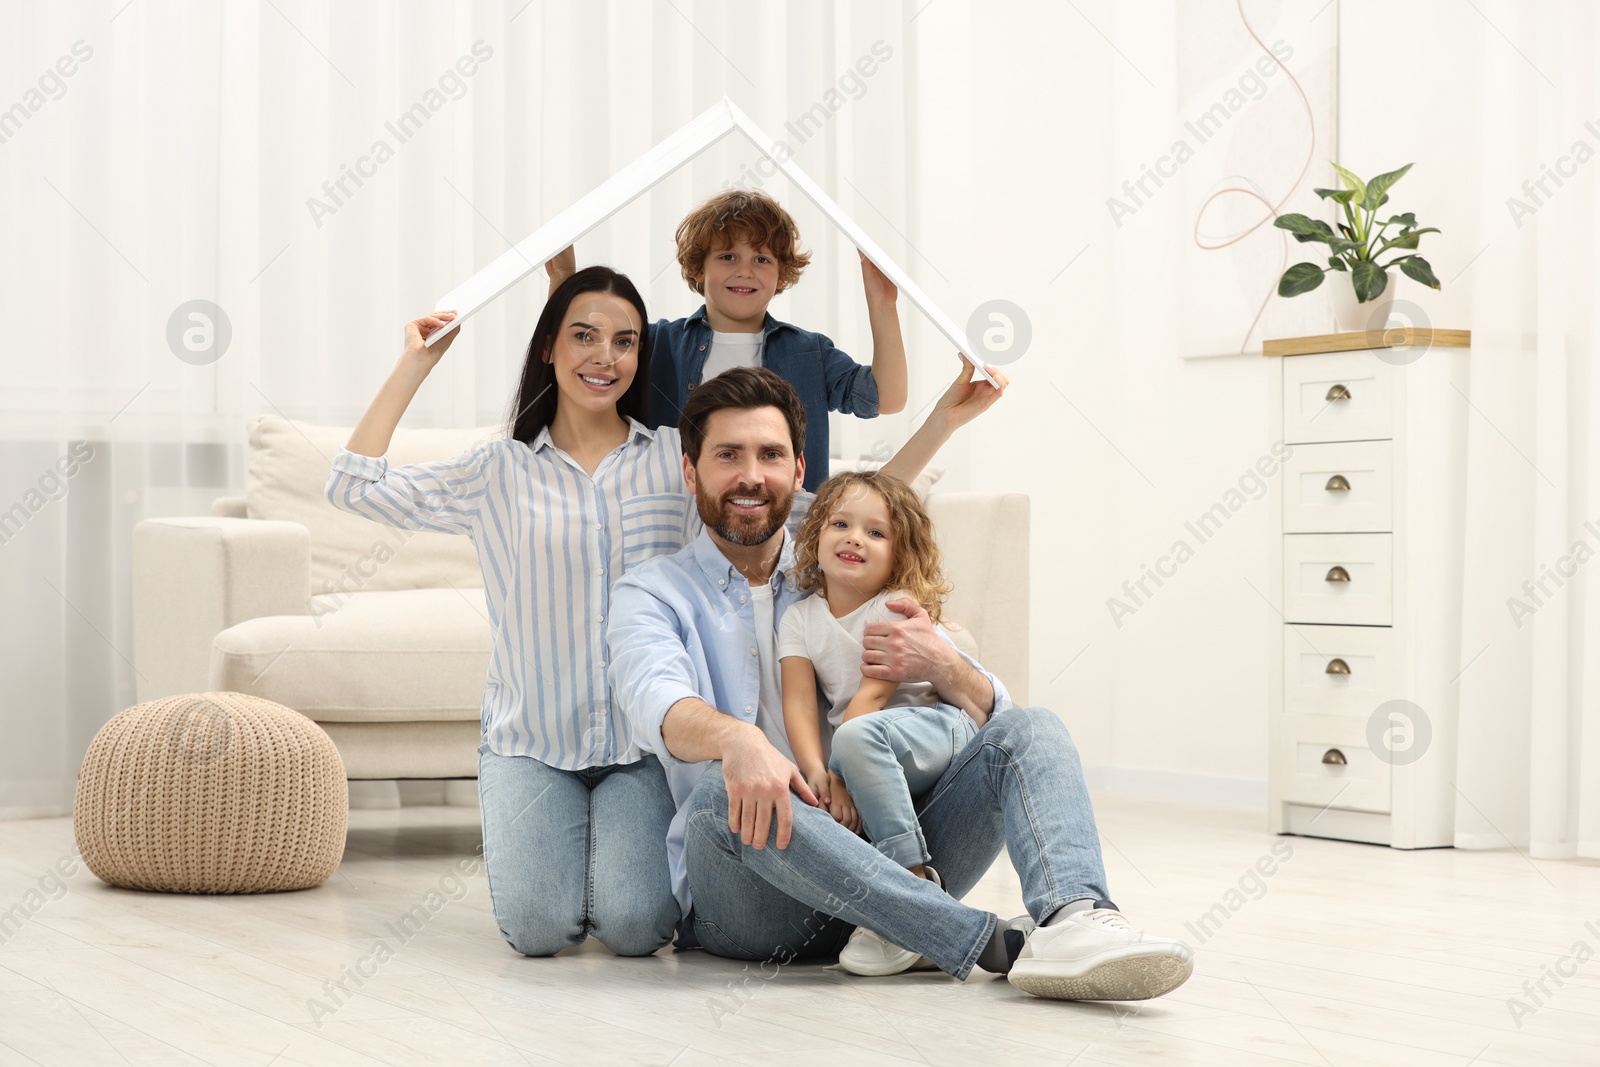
(380,635)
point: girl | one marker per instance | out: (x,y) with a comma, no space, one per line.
(866,541)
(575,814)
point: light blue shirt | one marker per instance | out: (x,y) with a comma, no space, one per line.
(683,625)
(550,540)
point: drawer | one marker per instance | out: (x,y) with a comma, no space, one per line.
(1313,565)
(1338,396)
(1310,748)
(1339,488)
(1337,670)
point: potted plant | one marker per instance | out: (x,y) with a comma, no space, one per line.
(1356,248)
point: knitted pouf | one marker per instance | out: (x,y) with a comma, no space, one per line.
(211,793)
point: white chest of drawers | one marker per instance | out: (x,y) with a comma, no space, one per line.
(1366,541)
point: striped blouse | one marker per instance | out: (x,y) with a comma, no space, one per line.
(550,542)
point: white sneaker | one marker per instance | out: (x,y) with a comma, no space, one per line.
(1096,955)
(871,956)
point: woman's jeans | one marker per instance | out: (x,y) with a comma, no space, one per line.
(889,757)
(574,853)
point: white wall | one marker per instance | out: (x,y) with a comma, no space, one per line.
(991,141)
(1180,687)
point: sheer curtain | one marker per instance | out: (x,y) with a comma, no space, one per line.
(321,172)
(1529,748)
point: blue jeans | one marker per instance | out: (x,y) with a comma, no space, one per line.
(890,757)
(1017,784)
(574,853)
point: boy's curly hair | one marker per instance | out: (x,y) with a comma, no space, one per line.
(740,215)
(917,570)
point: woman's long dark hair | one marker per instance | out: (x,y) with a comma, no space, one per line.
(536,396)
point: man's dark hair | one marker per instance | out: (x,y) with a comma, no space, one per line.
(741,387)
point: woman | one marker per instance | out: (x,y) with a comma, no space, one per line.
(574,814)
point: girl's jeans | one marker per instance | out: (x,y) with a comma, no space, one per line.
(889,758)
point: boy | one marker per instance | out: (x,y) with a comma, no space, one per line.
(738,250)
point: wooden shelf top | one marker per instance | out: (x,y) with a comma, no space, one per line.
(1397,337)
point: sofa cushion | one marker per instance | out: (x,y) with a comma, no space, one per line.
(414,655)
(396,656)
(288,470)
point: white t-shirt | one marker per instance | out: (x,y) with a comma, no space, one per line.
(769,711)
(834,647)
(729,350)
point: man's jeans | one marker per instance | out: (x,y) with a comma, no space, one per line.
(1018,784)
(888,758)
(574,853)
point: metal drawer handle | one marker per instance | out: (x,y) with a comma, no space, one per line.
(1337,666)
(1337,574)
(1338,392)
(1333,757)
(1338,484)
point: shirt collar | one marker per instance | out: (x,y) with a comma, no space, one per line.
(717,567)
(768,324)
(636,430)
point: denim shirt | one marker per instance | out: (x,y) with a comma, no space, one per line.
(683,625)
(826,378)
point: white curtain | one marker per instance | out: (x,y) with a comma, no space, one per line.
(1528,759)
(251,154)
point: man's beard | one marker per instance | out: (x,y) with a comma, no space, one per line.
(746,530)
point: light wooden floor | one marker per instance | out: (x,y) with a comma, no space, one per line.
(1353,955)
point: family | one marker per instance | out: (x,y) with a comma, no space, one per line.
(719,707)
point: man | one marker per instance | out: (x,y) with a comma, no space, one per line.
(694,665)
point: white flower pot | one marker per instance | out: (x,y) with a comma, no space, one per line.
(1350,316)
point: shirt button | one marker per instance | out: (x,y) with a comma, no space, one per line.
(702,348)
(599,526)
(743,599)
(723,582)
(600,570)
(599,618)
(753,651)
(748,710)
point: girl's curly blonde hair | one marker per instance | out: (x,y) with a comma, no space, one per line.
(916,571)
